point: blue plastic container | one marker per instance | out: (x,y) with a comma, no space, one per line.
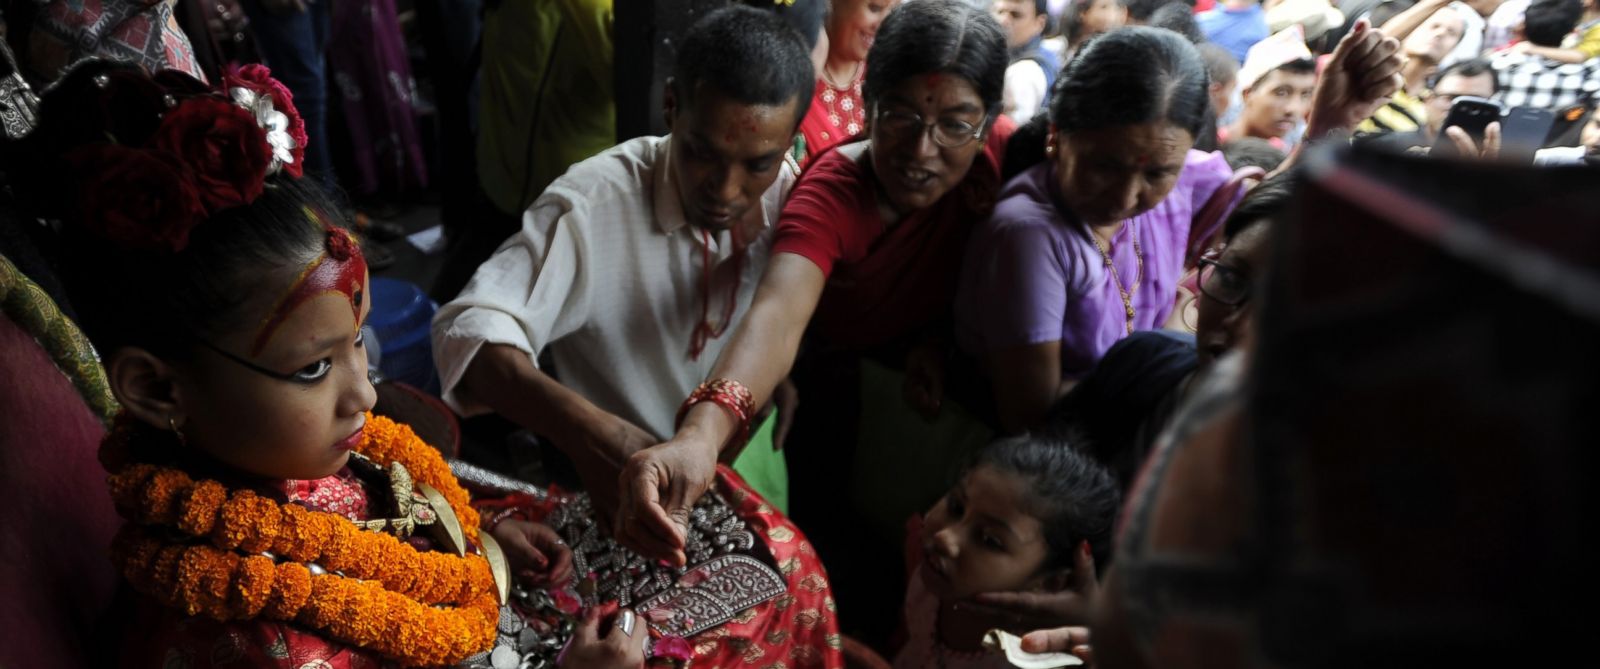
(401,316)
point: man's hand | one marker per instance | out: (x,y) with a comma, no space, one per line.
(614,643)
(537,554)
(600,449)
(1466,148)
(1037,610)
(659,487)
(1362,75)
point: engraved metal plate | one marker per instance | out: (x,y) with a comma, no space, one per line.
(723,588)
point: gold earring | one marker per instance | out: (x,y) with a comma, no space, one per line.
(173,423)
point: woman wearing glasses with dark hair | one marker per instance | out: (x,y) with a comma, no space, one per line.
(867,252)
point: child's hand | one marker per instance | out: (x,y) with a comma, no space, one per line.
(1038,610)
(536,553)
(618,644)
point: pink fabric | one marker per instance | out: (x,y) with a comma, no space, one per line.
(58,517)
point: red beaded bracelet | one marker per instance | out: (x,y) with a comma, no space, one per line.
(728,394)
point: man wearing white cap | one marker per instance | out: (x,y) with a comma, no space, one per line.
(1276,83)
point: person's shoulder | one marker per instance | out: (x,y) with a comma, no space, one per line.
(622,170)
(1025,201)
(841,164)
(832,184)
(1203,162)
(1205,172)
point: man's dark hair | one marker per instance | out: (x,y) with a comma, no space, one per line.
(1178,18)
(1467,69)
(1547,22)
(1220,64)
(1298,66)
(750,55)
(1262,203)
(1143,10)
(945,36)
(1253,152)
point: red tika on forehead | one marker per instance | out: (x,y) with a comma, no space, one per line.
(340,270)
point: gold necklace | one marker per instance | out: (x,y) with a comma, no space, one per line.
(827,77)
(1116,279)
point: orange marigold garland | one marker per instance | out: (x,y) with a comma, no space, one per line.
(420,608)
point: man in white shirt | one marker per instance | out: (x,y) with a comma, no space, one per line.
(1033,68)
(631,268)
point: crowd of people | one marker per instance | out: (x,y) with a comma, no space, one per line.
(864,360)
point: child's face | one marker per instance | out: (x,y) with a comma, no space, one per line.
(297,428)
(1103,16)
(979,539)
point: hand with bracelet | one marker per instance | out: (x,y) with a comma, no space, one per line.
(661,484)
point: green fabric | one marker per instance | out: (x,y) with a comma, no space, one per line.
(903,463)
(26,304)
(545,99)
(765,469)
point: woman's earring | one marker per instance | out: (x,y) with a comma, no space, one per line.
(1049,149)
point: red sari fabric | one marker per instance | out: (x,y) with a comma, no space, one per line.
(797,630)
(836,115)
(884,280)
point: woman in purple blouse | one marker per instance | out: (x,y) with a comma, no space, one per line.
(1087,246)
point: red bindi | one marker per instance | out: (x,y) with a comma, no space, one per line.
(339,270)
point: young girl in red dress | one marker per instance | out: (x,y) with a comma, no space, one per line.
(272,520)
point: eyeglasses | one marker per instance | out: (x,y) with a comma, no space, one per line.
(1223,283)
(949,133)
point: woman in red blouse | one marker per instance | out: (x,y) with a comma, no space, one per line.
(868,250)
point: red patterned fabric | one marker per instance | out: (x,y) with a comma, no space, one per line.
(835,116)
(143,32)
(797,630)
(341,493)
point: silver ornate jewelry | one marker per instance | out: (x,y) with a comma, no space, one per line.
(728,570)
(19,108)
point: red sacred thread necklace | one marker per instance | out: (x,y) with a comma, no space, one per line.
(704,332)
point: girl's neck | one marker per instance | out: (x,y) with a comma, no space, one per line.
(961,629)
(839,72)
(1415,73)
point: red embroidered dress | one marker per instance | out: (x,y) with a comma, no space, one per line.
(836,115)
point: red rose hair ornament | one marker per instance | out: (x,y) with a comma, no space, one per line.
(151,157)
(223,148)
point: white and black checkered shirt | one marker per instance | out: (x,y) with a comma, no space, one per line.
(1533,81)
